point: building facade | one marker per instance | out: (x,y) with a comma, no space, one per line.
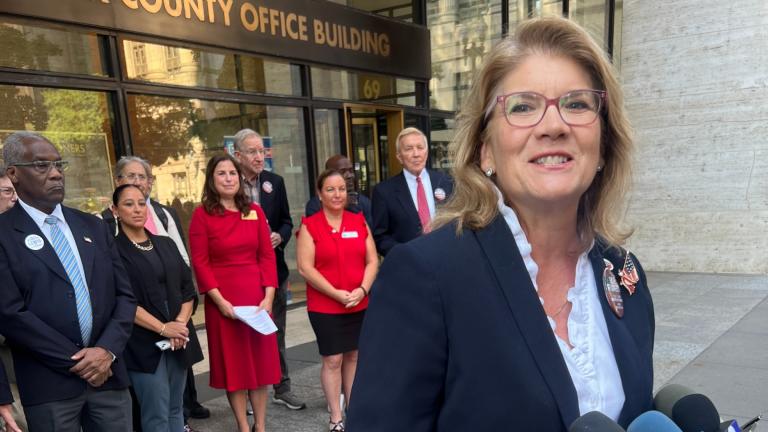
(173,80)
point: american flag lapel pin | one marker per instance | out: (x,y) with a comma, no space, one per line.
(628,275)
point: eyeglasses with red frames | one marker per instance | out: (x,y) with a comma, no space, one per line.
(576,108)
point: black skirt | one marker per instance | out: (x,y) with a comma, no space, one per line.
(336,333)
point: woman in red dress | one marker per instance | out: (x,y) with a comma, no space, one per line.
(235,266)
(337,256)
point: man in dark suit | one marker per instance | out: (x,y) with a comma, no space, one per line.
(356,203)
(66,307)
(404,204)
(268,190)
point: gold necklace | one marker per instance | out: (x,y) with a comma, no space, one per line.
(558,311)
(144,248)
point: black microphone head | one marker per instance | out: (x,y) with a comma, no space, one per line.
(668,396)
(696,413)
(594,421)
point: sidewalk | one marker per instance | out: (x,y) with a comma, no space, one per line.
(711,335)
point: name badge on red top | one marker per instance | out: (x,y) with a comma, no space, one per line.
(349,234)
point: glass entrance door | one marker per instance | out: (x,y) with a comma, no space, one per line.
(371,133)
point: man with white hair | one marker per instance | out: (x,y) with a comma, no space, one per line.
(404,205)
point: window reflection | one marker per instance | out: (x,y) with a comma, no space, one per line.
(462,31)
(78,124)
(348,85)
(590,14)
(441,135)
(327,135)
(25,46)
(179,135)
(196,68)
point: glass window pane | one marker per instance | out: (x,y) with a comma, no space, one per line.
(441,135)
(179,66)
(179,135)
(520,10)
(398,9)
(617,21)
(266,76)
(348,85)
(590,14)
(462,31)
(327,135)
(196,68)
(54,49)
(79,124)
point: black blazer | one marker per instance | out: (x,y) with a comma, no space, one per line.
(455,339)
(38,314)
(275,206)
(395,218)
(141,354)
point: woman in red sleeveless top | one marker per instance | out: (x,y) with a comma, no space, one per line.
(337,256)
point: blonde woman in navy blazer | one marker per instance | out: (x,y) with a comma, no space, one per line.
(520,311)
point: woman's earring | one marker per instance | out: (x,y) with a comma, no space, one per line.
(599,168)
(117,226)
(489,172)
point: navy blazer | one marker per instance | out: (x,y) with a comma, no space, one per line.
(395,217)
(275,206)
(38,313)
(455,339)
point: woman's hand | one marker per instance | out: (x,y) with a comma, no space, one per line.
(226,308)
(266,304)
(355,297)
(175,330)
(178,343)
(341,296)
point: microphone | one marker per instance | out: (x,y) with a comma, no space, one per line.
(594,421)
(729,426)
(691,411)
(653,421)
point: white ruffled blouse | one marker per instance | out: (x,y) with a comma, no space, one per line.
(590,362)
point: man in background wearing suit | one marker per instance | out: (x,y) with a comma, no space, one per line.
(10,409)
(404,205)
(268,190)
(66,307)
(356,203)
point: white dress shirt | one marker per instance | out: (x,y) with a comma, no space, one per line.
(410,179)
(39,218)
(591,362)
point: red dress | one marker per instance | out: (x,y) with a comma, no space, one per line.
(339,257)
(234,254)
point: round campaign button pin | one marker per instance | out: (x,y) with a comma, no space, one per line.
(34,242)
(267,186)
(439,194)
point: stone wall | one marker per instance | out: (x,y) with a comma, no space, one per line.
(695,73)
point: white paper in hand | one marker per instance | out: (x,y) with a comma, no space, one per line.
(257,319)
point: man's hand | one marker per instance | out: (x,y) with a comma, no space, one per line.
(6,413)
(93,365)
(276,239)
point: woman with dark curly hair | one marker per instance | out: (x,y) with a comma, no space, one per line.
(235,266)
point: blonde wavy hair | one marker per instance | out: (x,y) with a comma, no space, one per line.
(474,201)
